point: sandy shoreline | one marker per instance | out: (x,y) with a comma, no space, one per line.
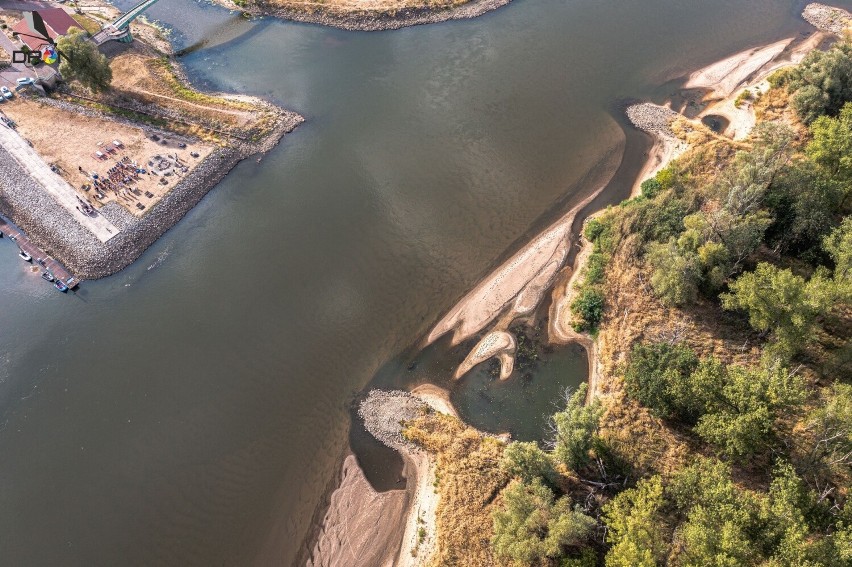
(362,527)
(366,20)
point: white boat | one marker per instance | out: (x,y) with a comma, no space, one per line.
(26,257)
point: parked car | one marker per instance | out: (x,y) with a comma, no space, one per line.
(25,81)
(7,94)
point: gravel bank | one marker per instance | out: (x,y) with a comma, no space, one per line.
(827,18)
(384,412)
(372,21)
(53,229)
(652,118)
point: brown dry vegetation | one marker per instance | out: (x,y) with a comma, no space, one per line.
(468,478)
(148,82)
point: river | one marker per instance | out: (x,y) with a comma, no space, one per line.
(192,409)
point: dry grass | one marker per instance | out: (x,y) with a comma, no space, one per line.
(469,479)
(151,80)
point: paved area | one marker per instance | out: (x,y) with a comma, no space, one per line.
(56,187)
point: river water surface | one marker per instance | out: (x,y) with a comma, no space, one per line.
(192,409)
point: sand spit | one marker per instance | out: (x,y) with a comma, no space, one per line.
(511,292)
(827,18)
(725,76)
(732,84)
(362,527)
(354,529)
(501,344)
(369,20)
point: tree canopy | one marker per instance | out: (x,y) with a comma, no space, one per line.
(822,83)
(532,525)
(83,62)
(574,429)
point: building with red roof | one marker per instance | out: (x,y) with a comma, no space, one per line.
(58,23)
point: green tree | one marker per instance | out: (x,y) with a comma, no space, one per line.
(786,513)
(831,149)
(822,83)
(531,525)
(657,376)
(526,461)
(839,246)
(83,62)
(588,309)
(776,300)
(741,412)
(677,272)
(574,429)
(804,204)
(831,428)
(636,530)
(719,517)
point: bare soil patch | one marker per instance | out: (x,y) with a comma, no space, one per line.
(70,141)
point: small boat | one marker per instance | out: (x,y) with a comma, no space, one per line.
(47,276)
(26,257)
(60,286)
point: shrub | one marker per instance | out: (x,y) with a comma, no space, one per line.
(587,309)
(657,376)
(575,429)
(822,83)
(526,460)
(532,526)
(651,188)
(595,269)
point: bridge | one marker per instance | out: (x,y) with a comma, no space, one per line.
(119,30)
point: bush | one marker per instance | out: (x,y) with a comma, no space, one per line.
(651,188)
(575,429)
(595,269)
(532,526)
(822,83)
(594,228)
(526,460)
(657,376)
(588,309)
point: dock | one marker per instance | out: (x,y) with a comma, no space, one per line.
(40,259)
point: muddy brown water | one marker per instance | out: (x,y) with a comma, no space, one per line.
(192,409)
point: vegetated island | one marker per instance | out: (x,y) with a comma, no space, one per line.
(716,304)
(96,166)
(366,15)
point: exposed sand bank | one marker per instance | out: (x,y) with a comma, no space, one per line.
(731,85)
(365,528)
(365,15)
(515,289)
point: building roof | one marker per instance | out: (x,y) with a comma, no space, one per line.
(58,23)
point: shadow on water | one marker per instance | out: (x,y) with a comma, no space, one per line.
(232,29)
